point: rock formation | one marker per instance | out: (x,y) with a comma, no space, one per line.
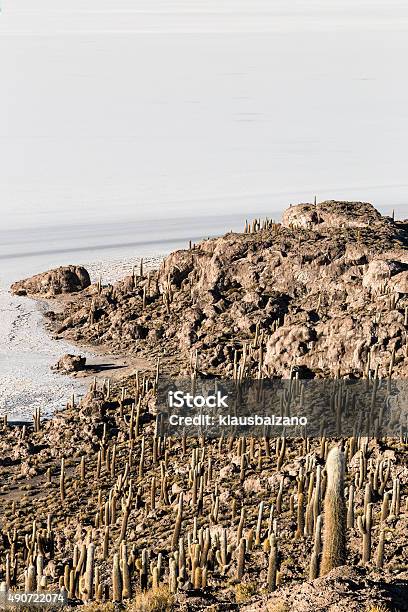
(327,297)
(331,214)
(67,279)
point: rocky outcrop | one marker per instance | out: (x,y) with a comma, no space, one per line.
(67,279)
(327,297)
(332,213)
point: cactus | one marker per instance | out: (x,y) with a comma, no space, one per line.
(37,419)
(334,532)
(82,469)
(116,579)
(125,518)
(173,576)
(126,586)
(89,571)
(350,509)
(380,550)
(396,499)
(241,558)
(177,526)
(365,524)
(272,564)
(241,524)
(223,554)
(317,547)
(367,496)
(62,480)
(300,506)
(385,507)
(40,567)
(280,496)
(259,524)
(143,570)
(30,579)
(198,578)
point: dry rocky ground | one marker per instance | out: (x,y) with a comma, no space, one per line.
(95,503)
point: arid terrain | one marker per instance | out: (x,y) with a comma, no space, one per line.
(94,502)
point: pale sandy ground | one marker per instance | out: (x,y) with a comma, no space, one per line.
(27,351)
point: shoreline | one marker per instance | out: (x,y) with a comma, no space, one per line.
(27,325)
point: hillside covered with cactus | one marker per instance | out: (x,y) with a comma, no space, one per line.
(95,504)
(325,292)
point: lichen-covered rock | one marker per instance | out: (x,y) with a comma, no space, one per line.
(66,279)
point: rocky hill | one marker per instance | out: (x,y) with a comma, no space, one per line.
(96,505)
(324,292)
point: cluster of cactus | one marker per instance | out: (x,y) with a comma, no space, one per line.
(258,225)
(208,540)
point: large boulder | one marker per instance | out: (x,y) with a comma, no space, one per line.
(331,213)
(66,279)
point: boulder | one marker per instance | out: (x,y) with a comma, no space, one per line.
(66,279)
(70,363)
(355,254)
(331,213)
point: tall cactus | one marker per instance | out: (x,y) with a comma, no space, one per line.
(334,532)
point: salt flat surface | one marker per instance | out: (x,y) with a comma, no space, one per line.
(127,111)
(27,353)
